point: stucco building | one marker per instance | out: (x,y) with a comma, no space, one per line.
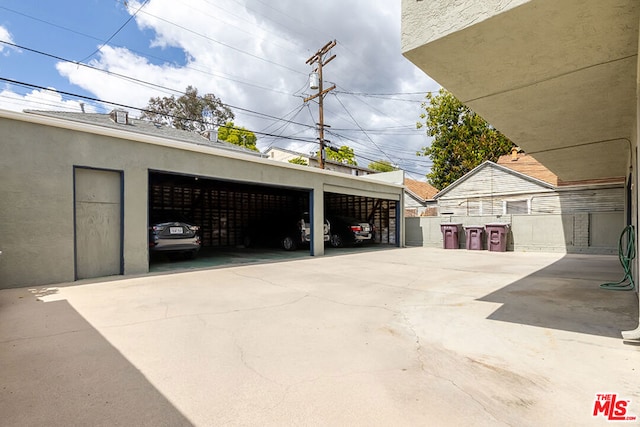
(77,191)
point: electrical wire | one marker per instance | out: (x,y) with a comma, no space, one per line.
(249,112)
(142,82)
(225,44)
(380,96)
(117,104)
(250,24)
(148,56)
(116,33)
(365,133)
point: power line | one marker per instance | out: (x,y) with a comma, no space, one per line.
(384,94)
(224,44)
(224,76)
(111,73)
(360,127)
(142,82)
(381,96)
(89,98)
(250,25)
(116,33)
(245,110)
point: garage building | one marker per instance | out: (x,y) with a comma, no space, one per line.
(78,190)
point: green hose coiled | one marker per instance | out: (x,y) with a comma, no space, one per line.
(626,253)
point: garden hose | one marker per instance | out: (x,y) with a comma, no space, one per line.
(626,253)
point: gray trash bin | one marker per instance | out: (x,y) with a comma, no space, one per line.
(497,235)
(450,233)
(475,234)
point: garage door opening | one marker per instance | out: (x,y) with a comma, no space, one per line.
(229,215)
(350,214)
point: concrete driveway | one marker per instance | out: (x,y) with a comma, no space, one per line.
(413,336)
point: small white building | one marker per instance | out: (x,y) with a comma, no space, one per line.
(284,155)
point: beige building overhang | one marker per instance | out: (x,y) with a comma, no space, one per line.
(558,78)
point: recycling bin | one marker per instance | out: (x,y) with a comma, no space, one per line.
(450,233)
(475,234)
(497,234)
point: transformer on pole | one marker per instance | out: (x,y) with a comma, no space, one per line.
(315,82)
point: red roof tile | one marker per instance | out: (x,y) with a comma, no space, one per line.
(527,165)
(421,189)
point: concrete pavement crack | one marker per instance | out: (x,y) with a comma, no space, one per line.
(209,313)
(251,368)
(421,360)
(262,279)
(318,296)
(353,305)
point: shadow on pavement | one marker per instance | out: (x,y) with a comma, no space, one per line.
(232,257)
(566,296)
(58,370)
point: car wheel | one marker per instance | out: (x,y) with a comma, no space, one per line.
(336,241)
(289,244)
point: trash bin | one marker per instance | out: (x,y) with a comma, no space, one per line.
(450,235)
(475,234)
(497,235)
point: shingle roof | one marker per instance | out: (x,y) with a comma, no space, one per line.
(424,190)
(527,165)
(143,127)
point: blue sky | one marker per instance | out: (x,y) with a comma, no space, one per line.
(249,53)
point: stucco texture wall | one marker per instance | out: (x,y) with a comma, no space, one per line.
(445,17)
(37,160)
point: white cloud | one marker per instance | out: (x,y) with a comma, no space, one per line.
(39,100)
(6,36)
(254,58)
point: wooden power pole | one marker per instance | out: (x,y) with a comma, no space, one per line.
(318,58)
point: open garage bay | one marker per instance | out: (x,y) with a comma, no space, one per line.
(241,222)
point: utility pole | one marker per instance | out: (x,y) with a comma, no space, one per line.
(318,58)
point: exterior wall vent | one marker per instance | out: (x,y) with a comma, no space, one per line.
(120,116)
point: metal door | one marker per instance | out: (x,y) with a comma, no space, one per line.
(98,222)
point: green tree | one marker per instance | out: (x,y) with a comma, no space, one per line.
(344,154)
(189,111)
(238,136)
(461,139)
(382,166)
(299,161)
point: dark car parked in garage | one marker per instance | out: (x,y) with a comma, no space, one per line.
(174,237)
(349,231)
(282,230)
